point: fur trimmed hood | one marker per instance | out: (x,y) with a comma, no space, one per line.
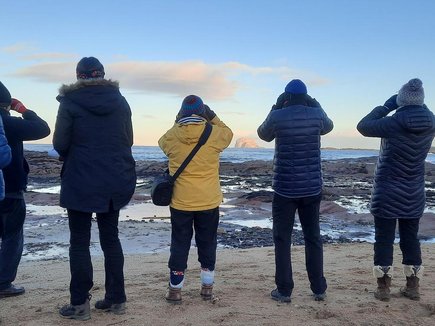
(64,89)
(99,96)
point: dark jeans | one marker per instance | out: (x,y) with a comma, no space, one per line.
(12,215)
(385,233)
(205,224)
(80,257)
(283,212)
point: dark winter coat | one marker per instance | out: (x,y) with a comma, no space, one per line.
(398,187)
(296,128)
(17,130)
(5,158)
(94,135)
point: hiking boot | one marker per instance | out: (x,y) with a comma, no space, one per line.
(383,277)
(279,297)
(207,291)
(413,275)
(77,312)
(116,308)
(173,295)
(12,291)
(320,296)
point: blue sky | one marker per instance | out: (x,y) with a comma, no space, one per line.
(237,55)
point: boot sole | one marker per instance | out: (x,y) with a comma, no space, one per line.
(77,317)
(411,297)
(385,299)
(7,295)
(116,312)
(207,297)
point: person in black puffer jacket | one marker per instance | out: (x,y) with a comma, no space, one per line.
(94,136)
(13,208)
(398,194)
(296,122)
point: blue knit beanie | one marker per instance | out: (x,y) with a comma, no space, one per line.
(5,96)
(192,104)
(296,86)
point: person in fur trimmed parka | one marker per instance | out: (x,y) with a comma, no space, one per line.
(94,136)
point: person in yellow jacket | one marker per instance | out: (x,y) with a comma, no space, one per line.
(197,192)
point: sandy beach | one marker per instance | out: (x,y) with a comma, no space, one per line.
(243,283)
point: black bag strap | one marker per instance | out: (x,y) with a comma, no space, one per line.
(202,140)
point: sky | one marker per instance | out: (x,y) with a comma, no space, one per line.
(236,55)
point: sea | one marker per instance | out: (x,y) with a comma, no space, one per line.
(48,215)
(237,155)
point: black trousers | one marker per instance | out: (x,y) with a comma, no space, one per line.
(205,224)
(283,212)
(385,233)
(80,257)
(12,216)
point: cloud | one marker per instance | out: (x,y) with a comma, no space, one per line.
(48,56)
(210,81)
(17,48)
(180,78)
(55,72)
(283,72)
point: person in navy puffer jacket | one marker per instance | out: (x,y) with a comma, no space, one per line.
(296,122)
(398,194)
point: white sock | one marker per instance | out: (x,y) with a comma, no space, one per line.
(178,286)
(207,277)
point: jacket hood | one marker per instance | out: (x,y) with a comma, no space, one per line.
(99,96)
(189,133)
(415,118)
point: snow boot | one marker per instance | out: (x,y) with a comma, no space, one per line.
(383,276)
(413,275)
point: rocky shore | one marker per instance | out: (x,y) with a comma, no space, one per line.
(247,196)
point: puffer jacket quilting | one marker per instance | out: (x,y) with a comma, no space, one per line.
(398,187)
(297,164)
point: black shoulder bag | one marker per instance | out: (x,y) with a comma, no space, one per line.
(163,185)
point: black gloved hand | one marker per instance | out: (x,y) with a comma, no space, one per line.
(311,101)
(391,103)
(280,100)
(209,113)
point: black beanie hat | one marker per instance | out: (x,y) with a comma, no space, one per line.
(89,68)
(5,96)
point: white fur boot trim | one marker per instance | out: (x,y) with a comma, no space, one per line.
(411,270)
(380,271)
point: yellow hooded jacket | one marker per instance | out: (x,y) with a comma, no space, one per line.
(197,188)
